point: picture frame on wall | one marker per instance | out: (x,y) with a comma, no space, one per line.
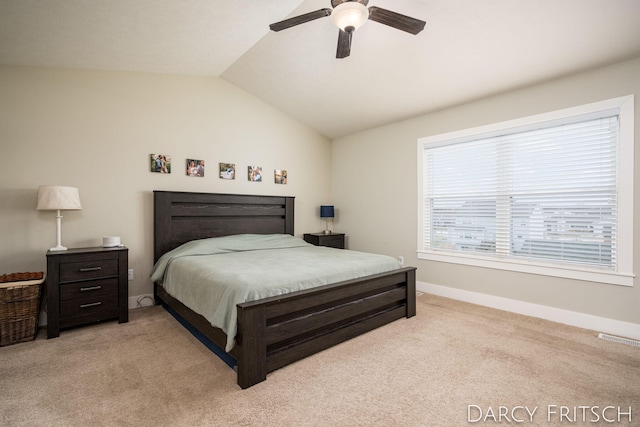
(160,163)
(280,176)
(195,167)
(254,173)
(227,170)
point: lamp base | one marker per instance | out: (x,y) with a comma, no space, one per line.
(58,246)
(327,228)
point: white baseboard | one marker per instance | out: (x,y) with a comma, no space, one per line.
(581,320)
(139,301)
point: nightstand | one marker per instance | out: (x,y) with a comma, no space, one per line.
(333,240)
(86,285)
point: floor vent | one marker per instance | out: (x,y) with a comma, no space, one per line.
(619,340)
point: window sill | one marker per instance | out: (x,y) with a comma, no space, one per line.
(563,271)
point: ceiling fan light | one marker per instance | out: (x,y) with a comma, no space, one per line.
(350,14)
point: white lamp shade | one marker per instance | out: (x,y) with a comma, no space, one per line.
(53,197)
(350,14)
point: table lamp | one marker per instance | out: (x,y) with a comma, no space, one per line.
(57,198)
(327,213)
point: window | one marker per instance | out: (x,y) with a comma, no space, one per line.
(549,194)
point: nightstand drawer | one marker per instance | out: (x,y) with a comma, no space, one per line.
(90,269)
(88,289)
(333,241)
(89,309)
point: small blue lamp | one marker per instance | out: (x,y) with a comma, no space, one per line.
(327,213)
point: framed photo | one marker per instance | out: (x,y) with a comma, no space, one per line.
(254,173)
(280,176)
(227,170)
(160,163)
(195,167)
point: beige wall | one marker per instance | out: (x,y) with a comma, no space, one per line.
(95,130)
(375,190)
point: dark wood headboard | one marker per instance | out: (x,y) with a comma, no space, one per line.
(181,216)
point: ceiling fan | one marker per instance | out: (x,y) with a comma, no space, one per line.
(349,15)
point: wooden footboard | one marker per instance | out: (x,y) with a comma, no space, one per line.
(274,332)
(277,331)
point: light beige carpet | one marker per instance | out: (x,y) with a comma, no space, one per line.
(452,363)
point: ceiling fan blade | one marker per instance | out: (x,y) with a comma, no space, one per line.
(297,20)
(396,20)
(344,44)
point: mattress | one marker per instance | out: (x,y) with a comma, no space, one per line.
(211,276)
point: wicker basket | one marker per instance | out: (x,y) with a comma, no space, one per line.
(19,306)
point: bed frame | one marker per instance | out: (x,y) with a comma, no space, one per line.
(274,332)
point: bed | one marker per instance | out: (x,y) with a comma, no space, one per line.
(275,331)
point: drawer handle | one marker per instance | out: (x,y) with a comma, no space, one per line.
(86,269)
(93,304)
(91,288)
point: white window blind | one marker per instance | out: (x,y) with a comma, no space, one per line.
(545,192)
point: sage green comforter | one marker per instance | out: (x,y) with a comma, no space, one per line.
(211,276)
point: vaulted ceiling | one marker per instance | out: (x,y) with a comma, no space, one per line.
(469,49)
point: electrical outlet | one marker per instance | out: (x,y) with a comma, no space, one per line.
(401,259)
(131,274)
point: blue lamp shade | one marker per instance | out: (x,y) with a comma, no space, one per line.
(326,211)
